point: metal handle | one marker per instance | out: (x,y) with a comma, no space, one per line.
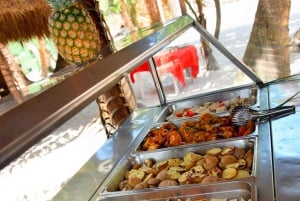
(275,112)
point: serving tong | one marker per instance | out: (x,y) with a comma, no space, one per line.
(242,114)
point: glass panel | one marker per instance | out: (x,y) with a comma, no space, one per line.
(143,86)
(272,52)
(185,71)
(191,72)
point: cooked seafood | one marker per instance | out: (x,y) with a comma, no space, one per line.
(207,128)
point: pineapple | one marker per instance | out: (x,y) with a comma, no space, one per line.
(74,32)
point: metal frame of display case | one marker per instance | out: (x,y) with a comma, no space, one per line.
(42,113)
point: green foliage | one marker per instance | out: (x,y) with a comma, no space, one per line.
(27,54)
(57,4)
(113,6)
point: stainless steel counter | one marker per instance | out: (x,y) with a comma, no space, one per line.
(286,143)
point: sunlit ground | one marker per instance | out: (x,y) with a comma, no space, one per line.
(42,171)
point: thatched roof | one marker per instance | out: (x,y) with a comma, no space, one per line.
(22,19)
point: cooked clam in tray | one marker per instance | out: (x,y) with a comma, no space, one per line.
(212,165)
(207,127)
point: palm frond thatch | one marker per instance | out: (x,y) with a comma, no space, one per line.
(21,20)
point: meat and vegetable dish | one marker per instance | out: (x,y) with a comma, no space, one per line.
(210,107)
(215,164)
(207,128)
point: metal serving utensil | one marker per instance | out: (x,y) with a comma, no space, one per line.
(242,114)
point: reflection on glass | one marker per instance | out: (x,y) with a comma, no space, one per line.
(132,37)
(28,70)
(184,71)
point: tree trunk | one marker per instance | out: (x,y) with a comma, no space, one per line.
(118,102)
(153,11)
(92,6)
(206,51)
(10,71)
(218,18)
(44,57)
(4,91)
(126,17)
(267,52)
(183,7)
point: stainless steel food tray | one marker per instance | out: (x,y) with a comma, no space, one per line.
(251,92)
(111,184)
(178,122)
(231,190)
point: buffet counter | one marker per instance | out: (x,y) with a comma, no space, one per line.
(277,175)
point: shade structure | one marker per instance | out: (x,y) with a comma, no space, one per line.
(21,20)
